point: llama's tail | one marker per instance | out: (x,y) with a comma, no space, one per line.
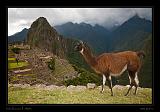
(141,53)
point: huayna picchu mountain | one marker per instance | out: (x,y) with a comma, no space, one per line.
(42,35)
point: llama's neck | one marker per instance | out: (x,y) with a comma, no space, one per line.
(88,56)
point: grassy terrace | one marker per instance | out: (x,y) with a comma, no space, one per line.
(11,59)
(30,95)
(22,77)
(14,65)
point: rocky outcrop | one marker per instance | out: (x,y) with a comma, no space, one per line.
(69,88)
(91,85)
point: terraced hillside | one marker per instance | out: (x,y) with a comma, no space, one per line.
(33,68)
(20,72)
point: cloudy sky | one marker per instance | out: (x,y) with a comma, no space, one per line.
(19,18)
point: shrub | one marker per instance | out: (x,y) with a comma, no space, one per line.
(84,78)
(51,64)
(16,50)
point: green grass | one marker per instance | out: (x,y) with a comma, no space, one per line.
(11,59)
(39,96)
(14,65)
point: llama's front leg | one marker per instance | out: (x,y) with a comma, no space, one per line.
(135,92)
(103,84)
(110,84)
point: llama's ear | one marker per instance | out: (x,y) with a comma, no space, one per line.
(81,42)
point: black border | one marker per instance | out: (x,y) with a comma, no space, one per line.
(139,105)
(107,107)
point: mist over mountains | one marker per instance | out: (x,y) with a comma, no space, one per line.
(99,38)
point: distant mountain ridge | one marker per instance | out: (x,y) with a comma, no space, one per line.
(130,33)
(96,35)
(19,36)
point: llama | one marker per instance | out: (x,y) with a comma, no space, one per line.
(113,64)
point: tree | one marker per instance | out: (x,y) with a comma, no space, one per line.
(17,52)
(51,64)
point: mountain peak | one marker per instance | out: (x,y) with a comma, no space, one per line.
(41,21)
(69,23)
(41,33)
(136,19)
(25,29)
(96,25)
(136,16)
(83,23)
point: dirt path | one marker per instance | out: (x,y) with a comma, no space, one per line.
(21,71)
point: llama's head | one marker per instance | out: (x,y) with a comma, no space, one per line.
(79,46)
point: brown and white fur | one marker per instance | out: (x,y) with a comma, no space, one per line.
(113,64)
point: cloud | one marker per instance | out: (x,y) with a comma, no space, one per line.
(19,18)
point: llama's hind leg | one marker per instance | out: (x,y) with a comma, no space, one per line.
(136,83)
(128,90)
(131,78)
(135,90)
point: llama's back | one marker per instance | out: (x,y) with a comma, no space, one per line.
(111,63)
(115,62)
(133,59)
